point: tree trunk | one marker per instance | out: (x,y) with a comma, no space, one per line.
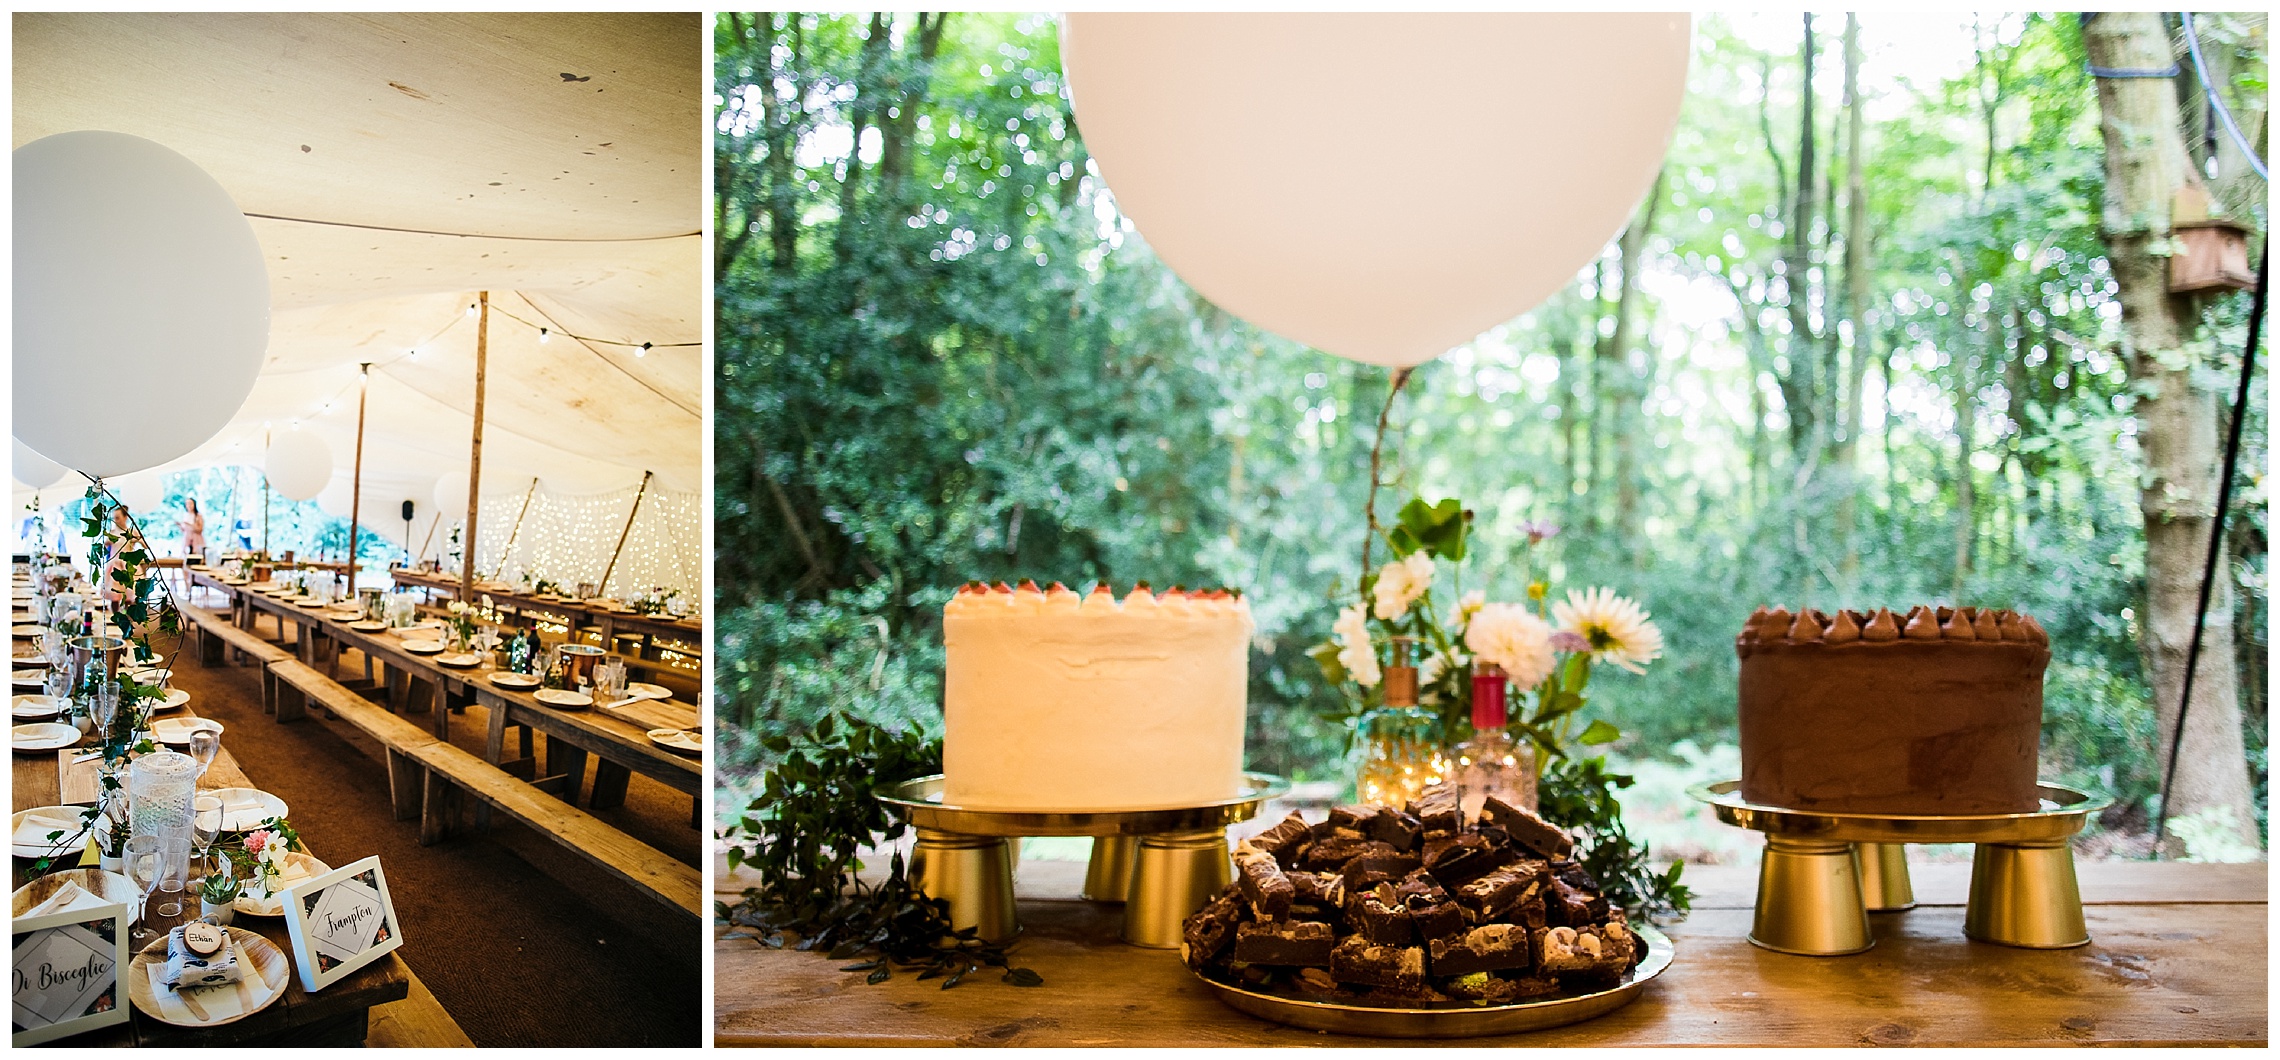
(2146,165)
(1856,309)
(1966,481)
(1806,426)
(1620,383)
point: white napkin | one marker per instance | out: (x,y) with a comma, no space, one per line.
(220,1002)
(241,811)
(68,897)
(33,832)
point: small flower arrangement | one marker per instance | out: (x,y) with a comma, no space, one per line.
(461,619)
(1547,652)
(658,600)
(264,849)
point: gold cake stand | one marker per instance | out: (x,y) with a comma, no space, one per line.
(1823,873)
(1172,860)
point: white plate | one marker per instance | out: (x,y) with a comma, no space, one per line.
(174,698)
(38,662)
(312,603)
(423,647)
(107,885)
(33,708)
(151,675)
(68,841)
(555,697)
(418,630)
(28,629)
(645,690)
(268,971)
(510,679)
(43,736)
(368,627)
(461,660)
(178,730)
(247,820)
(274,905)
(678,740)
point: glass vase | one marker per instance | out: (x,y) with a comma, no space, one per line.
(1396,755)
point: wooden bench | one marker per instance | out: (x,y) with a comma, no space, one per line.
(427,775)
(218,635)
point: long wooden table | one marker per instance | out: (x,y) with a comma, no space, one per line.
(336,1016)
(687,633)
(621,742)
(2177,957)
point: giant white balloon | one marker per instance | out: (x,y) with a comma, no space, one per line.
(134,270)
(451,496)
(298,464)
(142,492)
(1380,186)
(31,468)
(334,500)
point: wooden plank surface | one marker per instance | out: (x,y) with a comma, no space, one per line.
(688,630)
(2156,972)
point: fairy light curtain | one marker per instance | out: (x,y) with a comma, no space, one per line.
(567,539)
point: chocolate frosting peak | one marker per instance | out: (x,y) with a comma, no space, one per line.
(1881,627)
(2007,622)
(1843,630)
(1958,626)
(2034,630)
(1805,630)
(1922,625)
(1983,627)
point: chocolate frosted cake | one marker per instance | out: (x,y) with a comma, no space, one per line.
(1938,713)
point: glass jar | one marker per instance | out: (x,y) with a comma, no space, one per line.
(1492,761)
(1397,755)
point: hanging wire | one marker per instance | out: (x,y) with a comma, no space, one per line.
(2216,537)
(2193,45)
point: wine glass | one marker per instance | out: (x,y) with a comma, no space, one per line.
(174,869)
(106,708)
(145,863)
(205,743)
(205,819)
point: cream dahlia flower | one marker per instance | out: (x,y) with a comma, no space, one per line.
(1355,652)
(1514,638)
(1400,583)
(1617,630)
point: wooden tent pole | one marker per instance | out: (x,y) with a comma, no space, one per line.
(433,522)
(265,492)
(475,449)
(604,584)
(516,529)
(356,476)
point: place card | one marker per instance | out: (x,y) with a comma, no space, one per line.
(339,922)
(67,972)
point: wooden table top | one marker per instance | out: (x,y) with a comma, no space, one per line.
(626,621)
(37,780)
(623,739)
(2177,957)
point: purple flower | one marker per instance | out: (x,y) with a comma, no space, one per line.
(1570,642)
(1538,532)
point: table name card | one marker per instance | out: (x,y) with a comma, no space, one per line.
(339,922)
(67,972)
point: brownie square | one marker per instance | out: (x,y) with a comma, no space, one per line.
(1527,829)
(1496,895)
(1487,948)
(1499,990)
(1356,818)
(1438,810)
(1333,853)
(1566,904)
(1380,917)
(1359,962)
(1206,934)
(1467,858)
(1397,829)
(1592,952)
(1264,885)
(1284,840)
(1371,869)
(1317,895)
(1289,942)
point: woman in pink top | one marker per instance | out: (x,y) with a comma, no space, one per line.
(193,529)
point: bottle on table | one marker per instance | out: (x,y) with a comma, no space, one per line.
(1491,761)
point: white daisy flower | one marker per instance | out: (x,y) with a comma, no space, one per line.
(1617,630)
(1355,652)
(1512,637)
(1400,583)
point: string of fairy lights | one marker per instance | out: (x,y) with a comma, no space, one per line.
(567,539)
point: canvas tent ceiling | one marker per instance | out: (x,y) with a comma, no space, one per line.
(393,166)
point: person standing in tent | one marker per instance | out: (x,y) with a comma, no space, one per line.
(193,529)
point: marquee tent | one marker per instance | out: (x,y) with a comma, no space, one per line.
(395,165)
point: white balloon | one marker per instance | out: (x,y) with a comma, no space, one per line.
(1380,186)
(335,498)
(451,496)
(298,464)
(32,469)
(133,268)
(142,492)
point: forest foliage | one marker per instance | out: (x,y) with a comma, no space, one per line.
(1857,348)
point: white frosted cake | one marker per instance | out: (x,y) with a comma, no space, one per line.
(1056,700)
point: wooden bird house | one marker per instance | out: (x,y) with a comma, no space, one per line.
(2210,253)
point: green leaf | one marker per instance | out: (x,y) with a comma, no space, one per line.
(1576,673)
(1600,732)
(1325,655)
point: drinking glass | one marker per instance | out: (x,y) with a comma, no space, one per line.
(205,822)
(145,863)
(204,745)
(174,871)
(106,709)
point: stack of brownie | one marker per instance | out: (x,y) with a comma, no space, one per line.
(1411,907)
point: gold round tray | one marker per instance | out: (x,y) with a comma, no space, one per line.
(2061,815)
(920,802)
(1457,1020)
